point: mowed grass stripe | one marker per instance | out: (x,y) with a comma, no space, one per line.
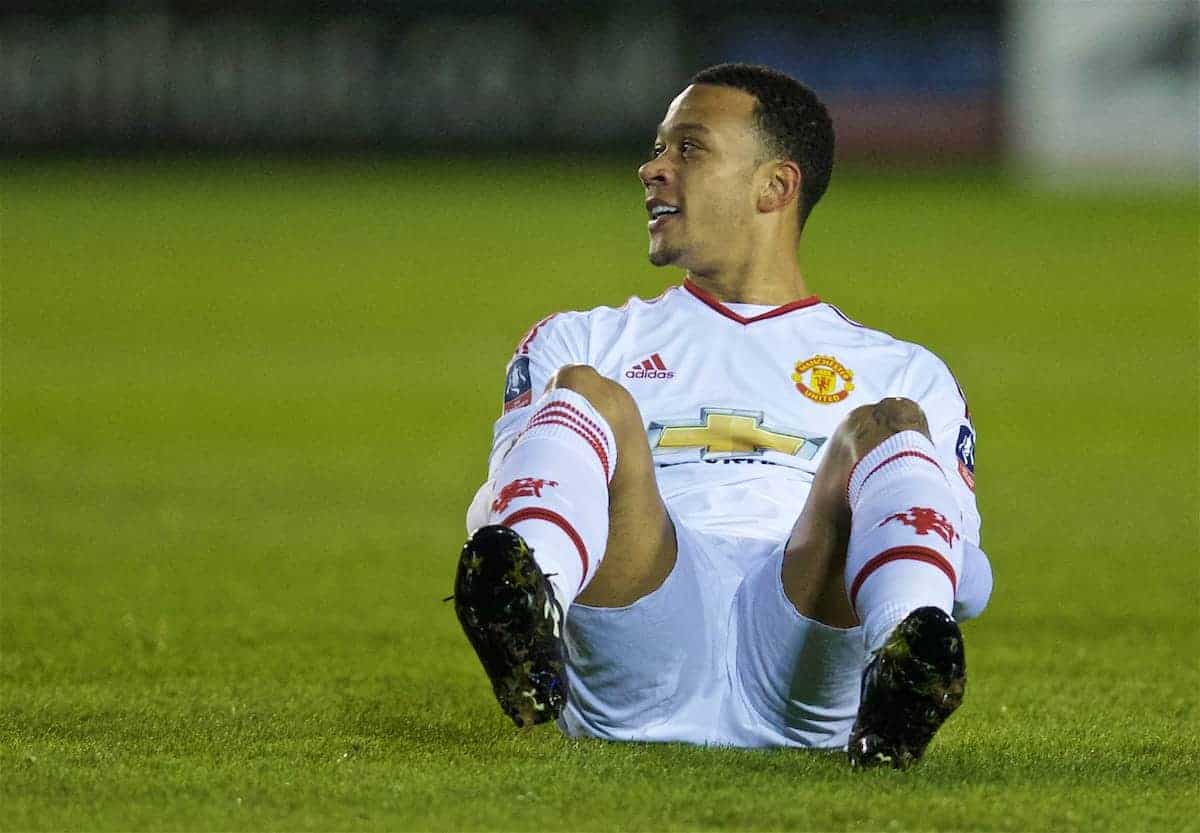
(245,405)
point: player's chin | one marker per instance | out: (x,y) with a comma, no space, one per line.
(661,255)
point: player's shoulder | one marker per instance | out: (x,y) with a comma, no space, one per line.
(879,346)
(575,325)
(634,307)
(921,368)
(868,336)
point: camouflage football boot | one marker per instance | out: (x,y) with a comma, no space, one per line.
(508,611)
(911,685)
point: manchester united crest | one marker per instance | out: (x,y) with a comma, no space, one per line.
(823,379)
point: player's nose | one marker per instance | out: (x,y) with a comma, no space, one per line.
(654,171)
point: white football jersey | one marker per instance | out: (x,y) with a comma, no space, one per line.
(739,400)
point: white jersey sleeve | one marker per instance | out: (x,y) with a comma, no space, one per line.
(930,383)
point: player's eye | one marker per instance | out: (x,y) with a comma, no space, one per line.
(686,147)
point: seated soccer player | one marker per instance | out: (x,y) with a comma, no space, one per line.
(729,515)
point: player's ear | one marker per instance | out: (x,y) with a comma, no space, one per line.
(781,187)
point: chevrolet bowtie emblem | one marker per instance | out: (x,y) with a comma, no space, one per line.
(723,432)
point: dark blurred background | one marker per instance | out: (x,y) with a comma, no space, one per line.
(1059,86)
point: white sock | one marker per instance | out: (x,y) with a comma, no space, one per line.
(905,551)
(552,489)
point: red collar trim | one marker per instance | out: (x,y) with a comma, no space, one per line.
(713,302)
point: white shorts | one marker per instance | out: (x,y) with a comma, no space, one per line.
(716,655)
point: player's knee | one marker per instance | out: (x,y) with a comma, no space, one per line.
(868,425)
(583,379)
(896,414)
(610,398)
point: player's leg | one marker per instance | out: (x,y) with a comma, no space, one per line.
(814,568)
(800,654)
(639,550)
(814,564)
(576,504)
(876,545)
(628,540)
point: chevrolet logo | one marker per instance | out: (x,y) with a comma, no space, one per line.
(724,432)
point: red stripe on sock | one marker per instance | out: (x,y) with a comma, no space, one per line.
(647,365)
(582,416)
(909,553)
(570,410)
(591,431)
(574,412)
(563,416)
(536,513)
(658,362)
(561,409)
(566,422)
(922,455)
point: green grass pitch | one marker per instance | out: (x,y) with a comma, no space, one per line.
(245,405)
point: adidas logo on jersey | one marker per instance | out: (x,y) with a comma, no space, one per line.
(651,368)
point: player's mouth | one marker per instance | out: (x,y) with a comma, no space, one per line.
(660,213)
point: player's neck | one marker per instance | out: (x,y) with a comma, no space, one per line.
(773,287)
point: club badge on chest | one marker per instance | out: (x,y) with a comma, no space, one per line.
(823,379)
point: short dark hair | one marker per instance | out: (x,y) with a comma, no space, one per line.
(792,121)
